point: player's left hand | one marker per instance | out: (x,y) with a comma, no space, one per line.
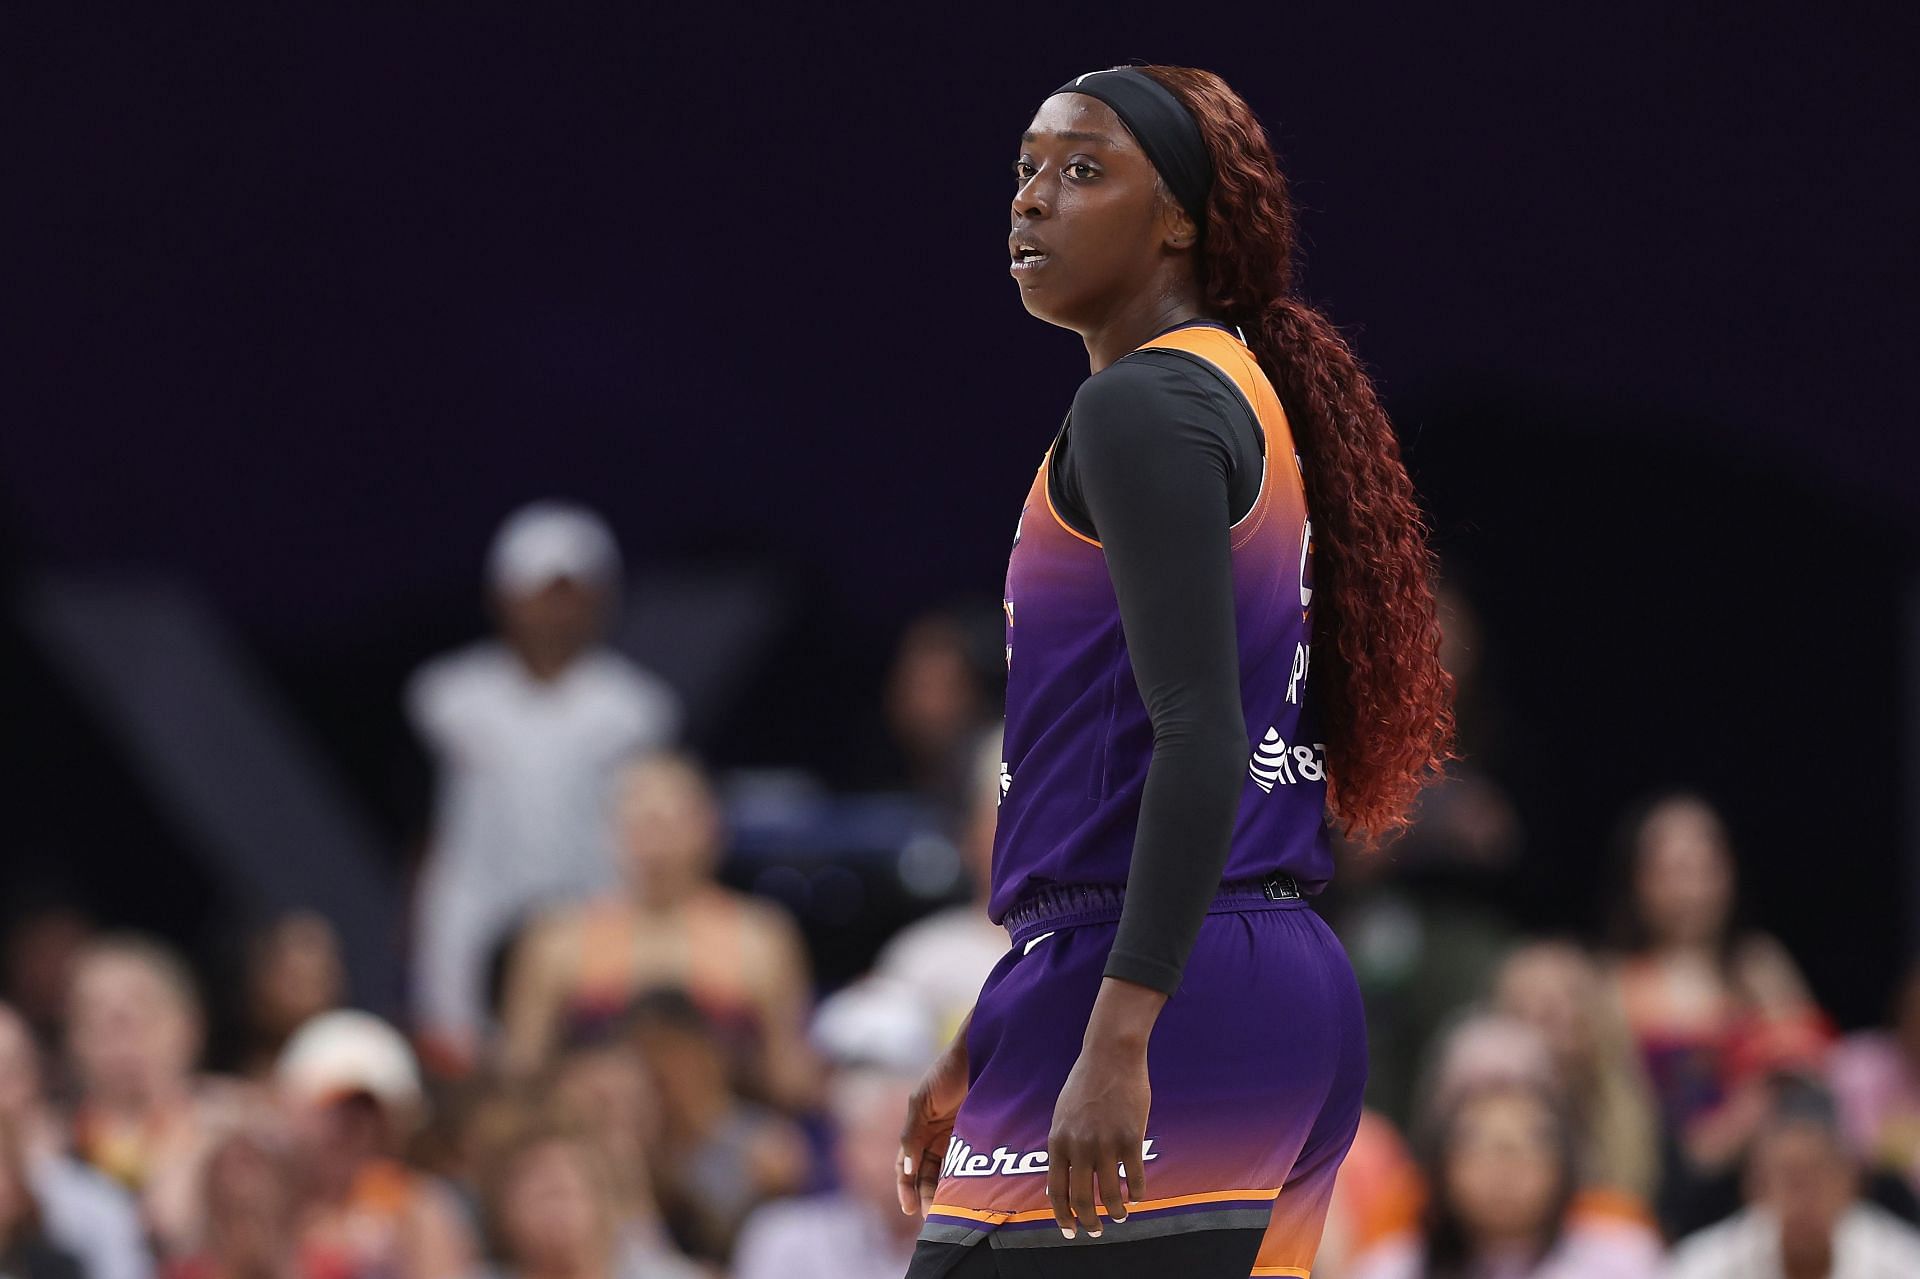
(1099,1124)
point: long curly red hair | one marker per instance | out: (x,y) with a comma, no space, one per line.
(1386,702)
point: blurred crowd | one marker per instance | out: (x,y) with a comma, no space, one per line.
(616,1066)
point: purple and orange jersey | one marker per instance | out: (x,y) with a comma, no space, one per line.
(1078,739)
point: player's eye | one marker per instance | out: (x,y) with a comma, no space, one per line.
(1022,171)
(1081,171)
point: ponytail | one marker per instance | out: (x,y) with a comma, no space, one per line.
(1386,702)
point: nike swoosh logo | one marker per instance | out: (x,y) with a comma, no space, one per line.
(1035,941)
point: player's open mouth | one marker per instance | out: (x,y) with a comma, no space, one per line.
(1026,257)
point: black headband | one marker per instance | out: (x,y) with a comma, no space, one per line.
(1165,129)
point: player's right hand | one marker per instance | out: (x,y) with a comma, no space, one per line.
(930,1115)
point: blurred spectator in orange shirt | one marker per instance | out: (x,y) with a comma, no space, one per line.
(738,957)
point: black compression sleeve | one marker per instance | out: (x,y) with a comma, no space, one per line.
(1153,457)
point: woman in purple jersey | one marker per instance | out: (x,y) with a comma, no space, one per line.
(1163,1073)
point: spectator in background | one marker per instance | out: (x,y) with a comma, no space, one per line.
(1556,988)
(526,731)
(1713,1007)
(251,1210)
(857,1231)
(294,973)
(1380,1194)
(82,1211)
(944,958)
(25,1252)
(1805,1219)
(552,1212)
(144,1116)
(605,1095)
(938,700)
(720,1155)
(44,940)
(1875,1076)
(1502,1164)
(351,1092)
(738,957)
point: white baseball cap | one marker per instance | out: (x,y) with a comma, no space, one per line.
(342,1053)
(876,1021)
(543,542)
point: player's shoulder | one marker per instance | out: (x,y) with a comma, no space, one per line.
(1149,371)
(1125,408)
(1166,372)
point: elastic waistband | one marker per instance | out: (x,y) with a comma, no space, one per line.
(1071,905)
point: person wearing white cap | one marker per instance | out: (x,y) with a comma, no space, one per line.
(525,730)
(350,1087)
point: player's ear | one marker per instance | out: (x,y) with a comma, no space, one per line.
(1180,232)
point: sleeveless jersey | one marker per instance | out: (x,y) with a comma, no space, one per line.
(1078,738)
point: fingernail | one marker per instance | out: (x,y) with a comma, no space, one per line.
(1093,1234)
(1120,1218)
(1068,1233)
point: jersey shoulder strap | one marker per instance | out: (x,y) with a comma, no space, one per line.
(1230,356)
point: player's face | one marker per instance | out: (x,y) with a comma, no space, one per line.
(1089,226)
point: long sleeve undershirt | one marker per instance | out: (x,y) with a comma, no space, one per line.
(1158,458)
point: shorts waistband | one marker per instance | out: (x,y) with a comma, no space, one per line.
(1072,905)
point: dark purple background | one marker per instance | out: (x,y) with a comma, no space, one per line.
(296,307)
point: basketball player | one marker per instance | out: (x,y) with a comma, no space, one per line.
(1163,1073)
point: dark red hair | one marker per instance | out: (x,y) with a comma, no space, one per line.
(1386,702)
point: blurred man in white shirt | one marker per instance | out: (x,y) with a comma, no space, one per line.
(1805,1218)
(525,730)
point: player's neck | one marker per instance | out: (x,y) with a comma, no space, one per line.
(1136,322)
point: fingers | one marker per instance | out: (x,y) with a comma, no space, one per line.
(913,1143)
(929,1182)
(1107,1178)
(1080,1194)
(1057,1188)
(907,1182)
(1136,1171)
(1073,1194)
